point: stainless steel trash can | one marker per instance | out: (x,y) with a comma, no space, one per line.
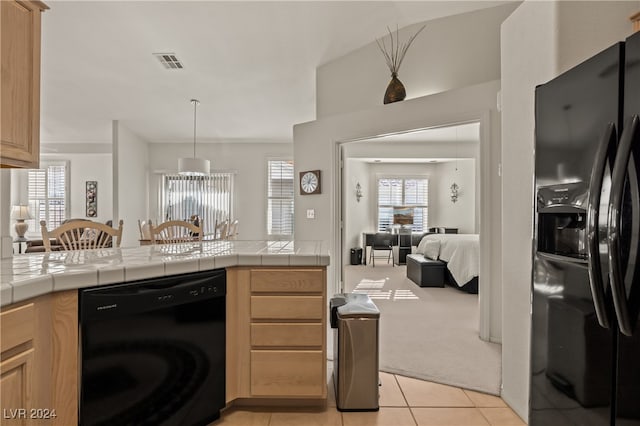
(355,319)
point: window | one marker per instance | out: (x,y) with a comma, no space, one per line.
(403,192)
(210,197)
(47,195)
(280,198)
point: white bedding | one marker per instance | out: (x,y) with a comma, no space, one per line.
(462,254)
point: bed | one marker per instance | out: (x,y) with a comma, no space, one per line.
(461,255)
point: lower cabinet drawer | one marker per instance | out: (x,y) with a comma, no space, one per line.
(286,334)
(287,307)
(288,374)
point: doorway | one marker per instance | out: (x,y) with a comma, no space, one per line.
(437,154)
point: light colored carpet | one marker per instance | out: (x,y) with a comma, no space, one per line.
(428,333)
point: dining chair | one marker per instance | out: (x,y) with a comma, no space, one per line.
(143,227)
(81,235)
(221,229)
(382,241)
(232,232)
(175,231)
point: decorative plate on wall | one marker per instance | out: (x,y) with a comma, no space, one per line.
(92,198)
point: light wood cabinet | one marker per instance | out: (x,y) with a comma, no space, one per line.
(276,333)
(288,373)
(20,83)
(39,361)
(17,363)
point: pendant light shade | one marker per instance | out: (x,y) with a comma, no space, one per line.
(193,166)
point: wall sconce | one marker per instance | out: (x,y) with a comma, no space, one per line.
(454,192)
(358,192)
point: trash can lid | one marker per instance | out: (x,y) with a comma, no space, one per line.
(358,305)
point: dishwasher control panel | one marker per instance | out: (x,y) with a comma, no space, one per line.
(116,299)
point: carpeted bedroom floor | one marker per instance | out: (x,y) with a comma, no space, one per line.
(428,333)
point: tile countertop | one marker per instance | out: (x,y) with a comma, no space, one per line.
(29,275)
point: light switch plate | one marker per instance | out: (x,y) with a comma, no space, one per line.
(311,214)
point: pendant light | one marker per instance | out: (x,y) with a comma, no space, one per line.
(193,166)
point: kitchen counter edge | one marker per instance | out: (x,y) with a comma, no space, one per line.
(29,275)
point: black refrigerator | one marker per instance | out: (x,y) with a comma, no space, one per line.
(585,337)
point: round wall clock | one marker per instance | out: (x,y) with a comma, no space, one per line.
(310,182)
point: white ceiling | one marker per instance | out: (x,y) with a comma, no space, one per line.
(251,64)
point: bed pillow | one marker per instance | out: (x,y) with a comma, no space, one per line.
(429,248)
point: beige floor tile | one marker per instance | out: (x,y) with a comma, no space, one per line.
(501,417)
(390,393)
(449,417)
(484,400)
(387,416)
(419,393)
(242,417)
(327,417)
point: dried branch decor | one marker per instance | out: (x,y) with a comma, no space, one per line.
(394,55)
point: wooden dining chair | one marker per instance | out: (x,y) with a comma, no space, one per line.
(81,235)
(220,231)
(175,231)
(232,232)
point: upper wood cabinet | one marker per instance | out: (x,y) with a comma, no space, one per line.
(20,86)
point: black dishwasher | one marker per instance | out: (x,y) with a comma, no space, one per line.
(153,351)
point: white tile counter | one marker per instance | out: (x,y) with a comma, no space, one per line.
(29,275)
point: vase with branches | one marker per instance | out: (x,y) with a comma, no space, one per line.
(394,54)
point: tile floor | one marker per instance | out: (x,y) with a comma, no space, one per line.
(403,401)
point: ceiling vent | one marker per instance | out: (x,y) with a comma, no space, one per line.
(169,61)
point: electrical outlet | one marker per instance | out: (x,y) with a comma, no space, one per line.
(311,214)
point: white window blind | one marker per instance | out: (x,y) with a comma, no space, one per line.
(280,189)
(47,195)
(210,197)
(403,192)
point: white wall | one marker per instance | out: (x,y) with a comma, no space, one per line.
(358,216)
(461,214)
(451,52)
(315,148)
(247,160)
(539,41)
(130,182)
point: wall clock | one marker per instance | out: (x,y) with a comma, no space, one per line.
(310,182)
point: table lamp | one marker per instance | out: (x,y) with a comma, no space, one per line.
(20,214)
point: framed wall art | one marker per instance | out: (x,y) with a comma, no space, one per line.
(92,198)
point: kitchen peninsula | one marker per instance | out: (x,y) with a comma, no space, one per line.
(275,317)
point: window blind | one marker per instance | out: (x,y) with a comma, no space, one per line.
(403,192)
(47,196)
(280,189)
(210,197)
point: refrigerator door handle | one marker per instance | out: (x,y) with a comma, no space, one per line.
(618,175)
(607,144)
